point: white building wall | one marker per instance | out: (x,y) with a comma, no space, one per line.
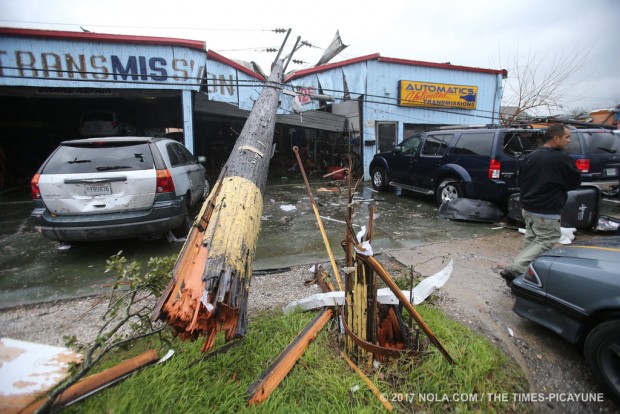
(56,63)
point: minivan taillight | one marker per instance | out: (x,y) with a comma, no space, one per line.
(164,182)
(494,169)
(583,165)
(34,187)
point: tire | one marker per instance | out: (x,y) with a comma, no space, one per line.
(449,190)
(379,179)
(602,353)
(206,190)
(183,229)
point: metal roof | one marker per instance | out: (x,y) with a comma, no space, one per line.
(379,58)
(103,37)
(309,119)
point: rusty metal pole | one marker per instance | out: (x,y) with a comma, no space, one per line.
(210,284)
(318,219)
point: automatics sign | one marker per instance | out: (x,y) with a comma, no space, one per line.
(436,95)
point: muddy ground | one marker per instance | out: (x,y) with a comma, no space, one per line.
(478,297)
(475,295)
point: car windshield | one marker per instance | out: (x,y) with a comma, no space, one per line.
(71,159)
(603,142)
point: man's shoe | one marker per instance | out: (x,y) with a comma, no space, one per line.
(508,276)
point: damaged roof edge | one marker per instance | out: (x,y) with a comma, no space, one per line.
(379,58)
(219,58)
(103,37)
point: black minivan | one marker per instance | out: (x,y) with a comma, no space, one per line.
(476,162)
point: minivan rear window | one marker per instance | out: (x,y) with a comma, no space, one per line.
(70,159)
(602,142)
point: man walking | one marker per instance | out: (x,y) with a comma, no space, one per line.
(545,177)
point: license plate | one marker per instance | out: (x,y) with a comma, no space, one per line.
(98,189)
(610,172)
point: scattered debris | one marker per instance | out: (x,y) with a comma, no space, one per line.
(28,370)
(468,209)
(385,296)
(96,382)
(606,223)
(369,383)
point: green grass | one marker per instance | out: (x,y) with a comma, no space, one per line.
(321,380)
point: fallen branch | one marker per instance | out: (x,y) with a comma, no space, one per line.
(369,383)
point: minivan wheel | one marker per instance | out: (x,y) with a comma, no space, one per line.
(183,229)
(448,190)
(206,190)
(379,179)
(602,354)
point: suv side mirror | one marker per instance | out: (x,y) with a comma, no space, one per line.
(398,149)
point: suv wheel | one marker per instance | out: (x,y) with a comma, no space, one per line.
(448,190)
(602,352)
(379,179)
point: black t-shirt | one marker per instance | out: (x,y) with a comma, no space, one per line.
(544,178)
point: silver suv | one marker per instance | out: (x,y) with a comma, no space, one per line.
(106,123)
(117,187)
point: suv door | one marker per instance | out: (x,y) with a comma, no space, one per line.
(430,158)
(515,145)
(405,155)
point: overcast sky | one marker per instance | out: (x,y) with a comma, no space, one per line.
(480,33)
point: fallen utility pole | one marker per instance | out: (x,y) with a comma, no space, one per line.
(208,292)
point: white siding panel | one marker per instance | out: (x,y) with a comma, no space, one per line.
(38,62)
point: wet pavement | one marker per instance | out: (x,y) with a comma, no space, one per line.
(33,269)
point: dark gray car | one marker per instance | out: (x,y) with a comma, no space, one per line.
(574,290)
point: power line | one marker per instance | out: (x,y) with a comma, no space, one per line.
(142,27)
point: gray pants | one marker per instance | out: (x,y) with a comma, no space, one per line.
(541,235)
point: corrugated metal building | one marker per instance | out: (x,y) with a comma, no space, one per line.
(49,78)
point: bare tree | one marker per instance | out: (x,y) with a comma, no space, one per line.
(535,84)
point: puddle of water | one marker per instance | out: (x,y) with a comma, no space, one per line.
(32,269)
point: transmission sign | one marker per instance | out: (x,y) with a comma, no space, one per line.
(436,95)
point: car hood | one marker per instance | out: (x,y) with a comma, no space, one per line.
(604,248)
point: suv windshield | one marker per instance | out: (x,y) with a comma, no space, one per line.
(100,158)
(602,142)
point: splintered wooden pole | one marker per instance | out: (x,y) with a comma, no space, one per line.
(210,283)
(275,373)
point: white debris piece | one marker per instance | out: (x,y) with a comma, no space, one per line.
(567,235)
(384,296)
(288,207)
